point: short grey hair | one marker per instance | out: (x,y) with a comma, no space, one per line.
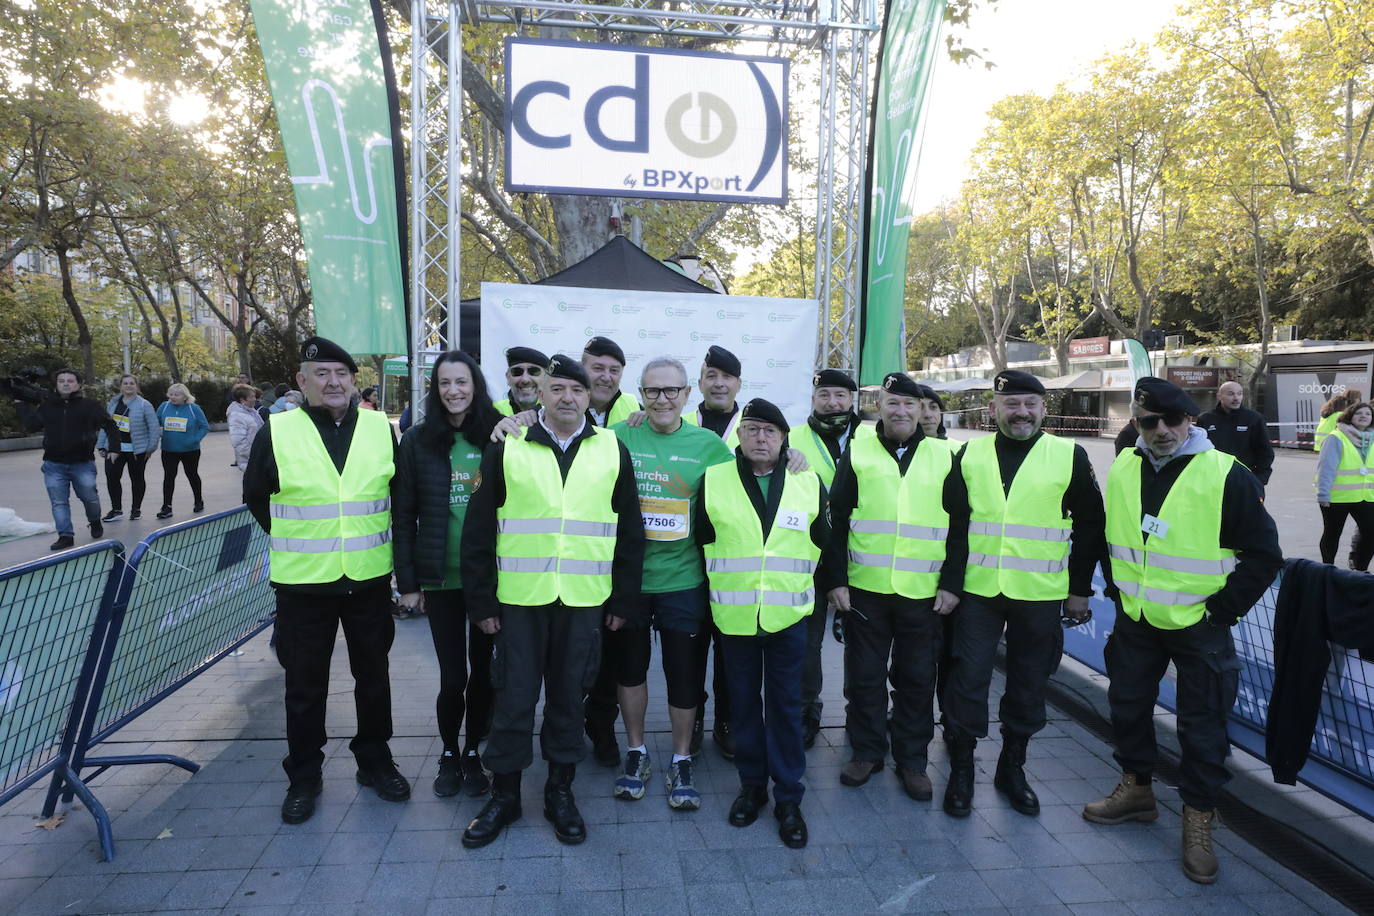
(664,362)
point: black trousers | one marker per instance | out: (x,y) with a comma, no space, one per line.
(307,624)
(115,463)
(190,461)
(459,646)
(765,678)
(720,681)
(602,705)
(554,647)
(813,680)
(1333,523)
(909,632)
(1035,643)
(1208,676)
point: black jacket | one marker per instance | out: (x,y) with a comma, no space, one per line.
(420,509)
(260,481)
(478,564)
(1316,603)
(1241,432)
(844,497)
(1246,528)
(71,427)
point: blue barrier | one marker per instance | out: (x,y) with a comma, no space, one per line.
(1342,761)
(189,595)
(54,614)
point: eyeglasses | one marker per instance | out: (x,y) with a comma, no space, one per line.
(652,394)
(760,431)
(517,371)
(1168,418)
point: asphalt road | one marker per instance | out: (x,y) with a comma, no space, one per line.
(1291,498)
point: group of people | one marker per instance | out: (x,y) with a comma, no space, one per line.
(126,432)
(551,532)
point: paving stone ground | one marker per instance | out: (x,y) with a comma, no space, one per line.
(213,842)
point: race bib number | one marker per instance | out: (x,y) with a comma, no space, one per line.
(174,424)
(122,422)
(1157,527)
(664,519)
(792,521)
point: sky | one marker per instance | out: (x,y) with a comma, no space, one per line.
(1036,44)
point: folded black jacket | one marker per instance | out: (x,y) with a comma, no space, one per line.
(1316,603)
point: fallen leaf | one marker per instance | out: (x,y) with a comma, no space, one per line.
(166,832)
(51,823)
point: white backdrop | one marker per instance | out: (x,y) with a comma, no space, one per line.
(775,339)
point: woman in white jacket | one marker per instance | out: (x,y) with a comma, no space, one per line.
(244,423)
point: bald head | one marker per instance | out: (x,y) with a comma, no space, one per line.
(1230,395)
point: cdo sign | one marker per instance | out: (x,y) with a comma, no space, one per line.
(586,118)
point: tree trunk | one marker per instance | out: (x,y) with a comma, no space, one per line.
(83,330)
(583,224)
(1266,320)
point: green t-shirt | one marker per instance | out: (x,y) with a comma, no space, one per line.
(464,458)
(668,471)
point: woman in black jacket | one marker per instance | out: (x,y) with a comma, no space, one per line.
(436,472)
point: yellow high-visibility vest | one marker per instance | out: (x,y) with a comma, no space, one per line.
(1354,481)
(898,529)
(327,525)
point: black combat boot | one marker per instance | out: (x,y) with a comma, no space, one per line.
(501,809)
(1011,777)
(959,792)
(559,805)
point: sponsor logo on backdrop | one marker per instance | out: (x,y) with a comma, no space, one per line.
(573,306)
(545,330)
(679,312)
(623,309)
(645,122)
(653,334)
(705,336)
(727,315)
(782,316)
(591,331)
(781,363)
(516,304)
(754,338)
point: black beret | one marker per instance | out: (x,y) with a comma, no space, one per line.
(930,394)
(324,350)
(525,355)
(903,384)
(722,359)
(833,378)
(764,412)
(1014,381)
(563,366)
(1162,396)
(604,346)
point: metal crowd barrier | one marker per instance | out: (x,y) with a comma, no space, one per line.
(90,642)
(54,613)
(1341,765)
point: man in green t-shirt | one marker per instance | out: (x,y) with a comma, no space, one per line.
(670,458)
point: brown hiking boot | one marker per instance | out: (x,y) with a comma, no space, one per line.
(1199,862)
(916,783)
(856,772)
(1129,801)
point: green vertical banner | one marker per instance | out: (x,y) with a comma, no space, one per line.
(1140,358)
(910,41)
(329,68)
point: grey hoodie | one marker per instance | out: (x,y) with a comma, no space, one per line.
(1196,442)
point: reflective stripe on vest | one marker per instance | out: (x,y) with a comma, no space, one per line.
(1354,476)
(898,529)
(1026,559)
(555,538)
(328,525)
(1167,579)
(756,585)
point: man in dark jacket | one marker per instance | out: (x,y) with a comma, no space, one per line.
(70,425)
(1239,431)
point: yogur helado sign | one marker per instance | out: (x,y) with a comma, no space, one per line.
(586,118)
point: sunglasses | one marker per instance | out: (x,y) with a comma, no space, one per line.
(1168,418)
(517,371)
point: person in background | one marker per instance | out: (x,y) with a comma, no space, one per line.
(267,396)
(1191,549)
(605,364)
(139,436)
(1331,414)
(524,366)
(278,403)
(1127,436)
(1345,484)
(404,422)
(762,529)
(70,424)
(436,472)
(367,400)
(1239,431)
(318,482)
(933,415)
(293,400)
(183,426)
(244,423)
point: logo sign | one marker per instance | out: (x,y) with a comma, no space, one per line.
(1192,376)
(586,118)
(1090,346)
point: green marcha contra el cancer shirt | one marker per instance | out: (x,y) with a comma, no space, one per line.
(464,459)
(668,472)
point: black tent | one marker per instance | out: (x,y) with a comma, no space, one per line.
(619,264)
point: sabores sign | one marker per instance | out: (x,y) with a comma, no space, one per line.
(645,122)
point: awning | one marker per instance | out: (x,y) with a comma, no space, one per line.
(1090,379)
(961,384)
